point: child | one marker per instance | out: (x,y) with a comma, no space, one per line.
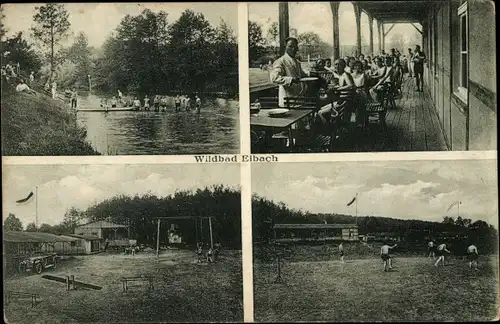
(200,252)
(384,254)
(440,253)
(472,256)
(341,251)
(146,103)
(210,258)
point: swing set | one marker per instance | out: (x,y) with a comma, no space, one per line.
(198,222)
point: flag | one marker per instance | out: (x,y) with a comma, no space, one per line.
(351,202)
(453,204)
(27,199)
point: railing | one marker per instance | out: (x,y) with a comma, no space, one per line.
(9,295)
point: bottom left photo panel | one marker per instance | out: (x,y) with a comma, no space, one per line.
(122,243)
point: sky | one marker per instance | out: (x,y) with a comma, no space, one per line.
(98,20)
(317,17)
(399,189)
(61,187)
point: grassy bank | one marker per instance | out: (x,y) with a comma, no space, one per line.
(39,125)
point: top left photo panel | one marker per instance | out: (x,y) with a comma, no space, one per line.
(119,79)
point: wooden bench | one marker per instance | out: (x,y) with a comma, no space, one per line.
(148,279)
(9,295)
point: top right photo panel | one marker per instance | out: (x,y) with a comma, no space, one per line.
(372,76)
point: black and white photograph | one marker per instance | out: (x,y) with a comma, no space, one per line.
(372,76)
(381,241)
(119,79)
(122,243)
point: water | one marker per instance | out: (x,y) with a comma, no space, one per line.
(214,131)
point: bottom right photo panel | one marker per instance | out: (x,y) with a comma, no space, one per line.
(375,241)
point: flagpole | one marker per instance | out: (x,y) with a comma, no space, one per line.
(458,209)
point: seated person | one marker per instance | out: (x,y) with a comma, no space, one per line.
(365,66)
(377,89)
(344,81)
(361,80)
(23,87)
(328,65)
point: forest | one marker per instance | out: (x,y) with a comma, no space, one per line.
(145,54)
(224,205)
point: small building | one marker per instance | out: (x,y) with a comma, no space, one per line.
(87,244)
(114,235)
(315,232)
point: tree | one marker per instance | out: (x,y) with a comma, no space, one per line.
(3,30)
(255,41)
(80,55)
(31,227)
(448,220)
(272,34)
(46,228)
(12,223)
(51,26)
(19,51)
(397,41)
(72,219)
(309,44)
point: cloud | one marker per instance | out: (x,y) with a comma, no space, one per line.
(61,187)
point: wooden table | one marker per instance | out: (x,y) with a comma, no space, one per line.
(263,120)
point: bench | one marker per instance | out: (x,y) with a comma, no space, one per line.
(9,295)
(126,280)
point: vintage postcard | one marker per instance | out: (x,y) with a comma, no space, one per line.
(122,243)
(372,76)
(120,79)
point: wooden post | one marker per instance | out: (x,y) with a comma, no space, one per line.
(370,22)
(72,282)
(158,239)
(211,238)
(334,5)
(67,283)
(357,15)
(284,25)
(382,42)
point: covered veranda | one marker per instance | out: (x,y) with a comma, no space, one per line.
(457,110)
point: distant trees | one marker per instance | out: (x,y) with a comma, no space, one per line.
(80,54)
(256,41)
(17,50)
(51,26)
(31,227)
(12,223)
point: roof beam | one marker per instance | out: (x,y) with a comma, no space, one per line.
(416,28)
(390,28)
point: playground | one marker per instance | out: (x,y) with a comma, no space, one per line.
(359,290)
(178,289)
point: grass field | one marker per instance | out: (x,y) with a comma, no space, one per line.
(360,290)
(184,290)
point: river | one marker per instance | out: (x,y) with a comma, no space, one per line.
(214,131)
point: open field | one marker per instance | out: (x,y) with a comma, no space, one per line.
(360,290)
(184,291)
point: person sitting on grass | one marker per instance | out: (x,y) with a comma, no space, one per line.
(386,257)
(472,256)
(23,87)
(441,249)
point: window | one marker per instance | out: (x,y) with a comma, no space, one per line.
(464,51)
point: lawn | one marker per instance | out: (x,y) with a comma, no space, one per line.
(360,290)
(184,290)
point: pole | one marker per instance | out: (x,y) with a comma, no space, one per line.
(458,209)
(211,238)
(36,207)
(158,239)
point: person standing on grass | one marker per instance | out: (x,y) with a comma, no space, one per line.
(146,103)
(198,104)
(210,257)
(200,252)
(32,77)
(431,249)
(472,256)
(74,96)
(386,257)
(341,252)
(441,249)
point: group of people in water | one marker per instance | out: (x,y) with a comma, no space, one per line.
(156,103)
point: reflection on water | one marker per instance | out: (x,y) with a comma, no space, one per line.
(215,130)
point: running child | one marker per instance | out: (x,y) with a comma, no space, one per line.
(146,103)
(431,249)
(472,256)
(441,249)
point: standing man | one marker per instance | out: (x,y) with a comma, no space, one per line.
(341,251)
(54,89)
(198,104)
(32,78)
(410,63)
(431,249)
(74,96)
(472,256)
(418,67)
(440,253)
(386,257)
(287,71)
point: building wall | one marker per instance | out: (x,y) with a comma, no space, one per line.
(88,231)
(468,124)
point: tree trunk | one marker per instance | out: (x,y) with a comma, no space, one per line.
(52,69)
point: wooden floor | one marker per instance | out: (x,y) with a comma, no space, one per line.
(412,126)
